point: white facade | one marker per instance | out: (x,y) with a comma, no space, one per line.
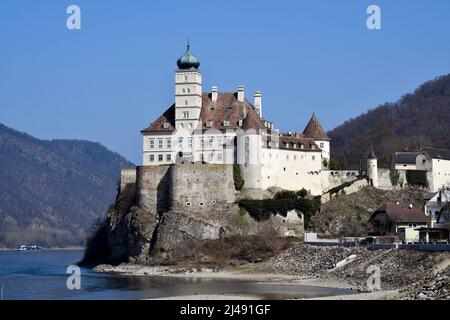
(372,172)
(263,165)
(188,98)
(434,206)
(438,171)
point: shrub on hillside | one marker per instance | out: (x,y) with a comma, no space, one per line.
(417,178)
(237,176)
(262,210)
(334,165)
(394,176)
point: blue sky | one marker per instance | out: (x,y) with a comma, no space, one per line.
(113,77)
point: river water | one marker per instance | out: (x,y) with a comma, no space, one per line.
(41,275)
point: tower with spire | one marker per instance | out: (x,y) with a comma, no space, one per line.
(188,91)
(372,169)
(315,131)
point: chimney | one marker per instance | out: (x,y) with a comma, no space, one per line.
(258,103)
(214,94)
(240,93)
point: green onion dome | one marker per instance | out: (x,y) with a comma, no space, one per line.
(188,60)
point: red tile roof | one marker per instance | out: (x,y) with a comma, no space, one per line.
(402,213)
(314,130)
(227,107)
(308,143)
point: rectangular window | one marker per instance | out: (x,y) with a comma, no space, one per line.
(219,157)
(186,114)
(152,143)
(160,158)
(169,157)
(201,142)
(314,158)
(180,143)
(152,158)
(210,157)
(190,143)
(321,145)
(169,143)
(220,142)
(210,142)
(160,144)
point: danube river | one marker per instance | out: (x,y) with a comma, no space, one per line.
(42,275)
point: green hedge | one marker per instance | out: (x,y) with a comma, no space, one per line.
(262,210)
(417,178)
(394,176)
(238,180)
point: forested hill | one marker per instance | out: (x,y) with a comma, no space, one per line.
(52,191)
(418,119)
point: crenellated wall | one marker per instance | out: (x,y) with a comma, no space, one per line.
(334,178)
(201,188)
(127,176)
(196,188)
(153,185)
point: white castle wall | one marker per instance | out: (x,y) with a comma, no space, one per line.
(291,170)
(354,187)
(332,178)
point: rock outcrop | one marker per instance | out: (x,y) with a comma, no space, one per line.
(161,214)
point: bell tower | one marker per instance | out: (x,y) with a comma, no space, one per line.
(188,91)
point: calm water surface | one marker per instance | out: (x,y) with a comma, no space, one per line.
(42,275)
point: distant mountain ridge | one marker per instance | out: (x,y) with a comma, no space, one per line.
(416,120)
(52,191)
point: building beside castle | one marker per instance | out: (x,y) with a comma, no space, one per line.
(226,128)
(433,161)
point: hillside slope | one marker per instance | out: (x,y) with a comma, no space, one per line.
(52,191)
(418,119)
(348,215)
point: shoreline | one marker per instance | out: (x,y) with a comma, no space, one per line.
(44,249)
(256,277)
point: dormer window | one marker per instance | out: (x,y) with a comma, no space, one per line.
(302,146)
(166,125)
(313,146)
(287,145)
(208,124)
(240,123)
(295,146)
(226,123)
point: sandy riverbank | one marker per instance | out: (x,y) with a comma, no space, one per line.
(256,277)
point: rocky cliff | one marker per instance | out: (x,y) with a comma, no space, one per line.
(165,211)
